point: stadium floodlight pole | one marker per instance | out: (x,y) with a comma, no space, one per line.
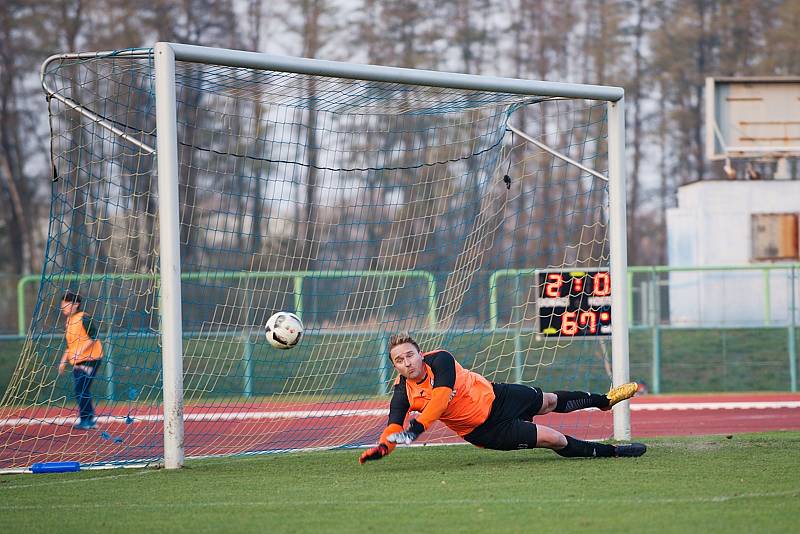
(170,260)
(618,244)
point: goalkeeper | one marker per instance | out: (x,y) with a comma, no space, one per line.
(492,416)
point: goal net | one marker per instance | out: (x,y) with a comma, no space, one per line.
(365,204)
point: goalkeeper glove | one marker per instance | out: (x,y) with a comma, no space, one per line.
(410,434)
(375,453)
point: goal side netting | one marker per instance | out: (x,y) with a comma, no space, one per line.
(365,207)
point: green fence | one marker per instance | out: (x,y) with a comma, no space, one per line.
(251,368)
(759,337)
(671,356)
(297,278)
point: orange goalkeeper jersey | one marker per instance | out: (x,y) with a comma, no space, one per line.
(470,399)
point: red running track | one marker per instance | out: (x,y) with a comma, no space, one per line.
(735,414)
(40,435)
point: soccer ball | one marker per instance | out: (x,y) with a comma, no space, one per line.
(284,330)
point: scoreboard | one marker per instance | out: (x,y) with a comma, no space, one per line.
(573,303)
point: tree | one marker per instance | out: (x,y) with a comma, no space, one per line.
(637,138)
(17,22)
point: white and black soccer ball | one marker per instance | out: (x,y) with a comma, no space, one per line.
(284,330)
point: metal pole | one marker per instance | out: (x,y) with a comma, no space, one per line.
(432,312)
(493,300)
(517,318)
(108,346)
(170,260)
(792,331)
(318,67)
(556,153)
(383,368)
(767,299)
(618,242)
(655,314)
(248,364)
(22,316)
(298,295)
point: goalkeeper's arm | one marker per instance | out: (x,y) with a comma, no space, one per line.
(398,409)
(443,366)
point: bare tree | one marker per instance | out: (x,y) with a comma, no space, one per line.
(635,97)
(17,190)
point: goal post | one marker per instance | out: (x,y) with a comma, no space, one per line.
(167,53)
(170,257)
(618,238)
(273,165)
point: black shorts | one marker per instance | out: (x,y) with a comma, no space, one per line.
(509,425)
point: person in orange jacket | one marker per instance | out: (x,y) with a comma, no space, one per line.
(492,416)
(84,353)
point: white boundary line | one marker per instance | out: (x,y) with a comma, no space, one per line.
(733,405)
(207,416)
(344,503)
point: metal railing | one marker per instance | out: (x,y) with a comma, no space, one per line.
(647,309)
(296,276)
(652,317)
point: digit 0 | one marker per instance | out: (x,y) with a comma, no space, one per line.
(602,285)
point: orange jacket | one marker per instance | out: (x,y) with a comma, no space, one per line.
(460,398)
(82,345)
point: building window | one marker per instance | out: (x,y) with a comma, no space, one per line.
(774,236)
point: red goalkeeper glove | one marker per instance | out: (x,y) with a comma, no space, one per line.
(375,453)
(415,428)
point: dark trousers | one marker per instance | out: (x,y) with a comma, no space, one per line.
(509,425)
(83,376)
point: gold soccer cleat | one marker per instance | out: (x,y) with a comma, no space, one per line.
(621,393)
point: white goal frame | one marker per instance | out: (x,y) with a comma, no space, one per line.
(165,56)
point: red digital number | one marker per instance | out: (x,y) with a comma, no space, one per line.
(569,323)
(552,288)
(588,317)
(602,285)
(577,285)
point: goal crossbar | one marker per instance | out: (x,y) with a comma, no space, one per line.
(376,73)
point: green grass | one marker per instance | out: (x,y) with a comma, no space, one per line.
(702,484)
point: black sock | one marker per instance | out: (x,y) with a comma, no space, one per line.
(569,401)
(585,449)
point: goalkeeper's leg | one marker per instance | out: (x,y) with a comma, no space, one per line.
(519,434)
(570,447)
(570,401)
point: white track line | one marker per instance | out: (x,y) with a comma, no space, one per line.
(209,416)
(737,405)
(378,412)
(346,503)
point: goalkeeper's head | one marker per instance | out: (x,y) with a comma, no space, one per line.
(70,303)
(406,357)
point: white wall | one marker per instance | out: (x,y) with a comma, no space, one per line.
(711,226)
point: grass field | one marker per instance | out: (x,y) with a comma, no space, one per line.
(701,484)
